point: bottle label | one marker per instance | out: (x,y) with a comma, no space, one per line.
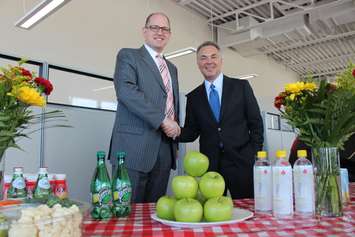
(304,188)
(263,188)
(18,183)
(104,196)
(43,183)
(61,190)
(282,190)
(123,194)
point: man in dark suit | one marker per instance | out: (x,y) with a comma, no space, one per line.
(224,113)
(147,95)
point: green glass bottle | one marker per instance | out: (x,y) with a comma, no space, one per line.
(17,188)
(121,188)
(43,188)
(101,190)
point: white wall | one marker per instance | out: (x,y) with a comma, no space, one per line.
(86,35)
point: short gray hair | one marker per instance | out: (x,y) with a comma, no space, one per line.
(207,43)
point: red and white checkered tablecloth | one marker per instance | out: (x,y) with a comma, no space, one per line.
(140,224)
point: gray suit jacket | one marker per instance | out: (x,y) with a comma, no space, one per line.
(140,110)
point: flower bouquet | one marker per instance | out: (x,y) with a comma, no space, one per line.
(324,115)
(19,90)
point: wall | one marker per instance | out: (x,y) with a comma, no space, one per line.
(86,35)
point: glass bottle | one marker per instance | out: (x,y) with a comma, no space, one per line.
(121,188)
(282,198)
(303,180)
(101,196)
(18,186)
(43,188)
(262,183)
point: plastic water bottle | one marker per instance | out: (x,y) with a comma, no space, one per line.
(303,181)
(262,184)
(282,201)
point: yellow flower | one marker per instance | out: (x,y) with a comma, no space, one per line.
(292,96)
(294,87)
(29,96)
(310,86)
(298,87)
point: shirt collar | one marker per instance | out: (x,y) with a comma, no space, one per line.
(151,51)
(218,83)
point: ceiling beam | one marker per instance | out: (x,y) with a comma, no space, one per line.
(326,60)
(310,42)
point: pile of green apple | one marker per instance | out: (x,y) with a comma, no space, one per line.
(198,196)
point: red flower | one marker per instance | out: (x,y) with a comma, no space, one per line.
(26,73)
(279,101)
(45,84)
(353,72)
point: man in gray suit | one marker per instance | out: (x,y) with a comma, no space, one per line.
(148,100)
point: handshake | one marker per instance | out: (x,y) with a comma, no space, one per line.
(171,128)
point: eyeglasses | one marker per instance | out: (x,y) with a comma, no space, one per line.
(156,29)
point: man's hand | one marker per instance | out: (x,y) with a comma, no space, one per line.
(171,128)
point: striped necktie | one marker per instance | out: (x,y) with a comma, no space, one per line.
(165,75)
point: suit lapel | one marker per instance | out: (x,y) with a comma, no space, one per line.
(226,96)
(152,66)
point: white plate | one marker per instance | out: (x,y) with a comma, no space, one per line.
(238,216)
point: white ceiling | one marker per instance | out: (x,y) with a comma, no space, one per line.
(308,36)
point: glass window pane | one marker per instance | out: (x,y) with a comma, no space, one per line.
(81,90)
(273,121)
(31,67)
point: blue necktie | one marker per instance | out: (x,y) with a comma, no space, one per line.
(214,102)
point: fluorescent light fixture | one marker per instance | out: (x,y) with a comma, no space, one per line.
(102,88)
(39,12)
(248,76)
(180,52)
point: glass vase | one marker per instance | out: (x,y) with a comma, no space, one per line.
(2,173)
(327,181)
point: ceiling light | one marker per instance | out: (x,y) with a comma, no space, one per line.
(248,76)
(39,12)
(180,52)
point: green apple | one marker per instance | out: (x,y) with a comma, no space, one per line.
(218,209)
(188,210)
(165,207)
(200,197)
(195,163)
(212,185)
(184,187)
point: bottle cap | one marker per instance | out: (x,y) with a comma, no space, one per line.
(280,153)
(302,153)
(101,154)
(51,177)
(261,154)
(31,177)
(60,176)
(7,178)
(121,154)
(42,170)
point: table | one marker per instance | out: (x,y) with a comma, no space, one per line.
(139,223)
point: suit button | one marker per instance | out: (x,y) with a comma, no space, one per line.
(219,129)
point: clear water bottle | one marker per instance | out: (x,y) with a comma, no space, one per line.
(282,200)
(262,184)
(18,186)
(303,181)
(43,188)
